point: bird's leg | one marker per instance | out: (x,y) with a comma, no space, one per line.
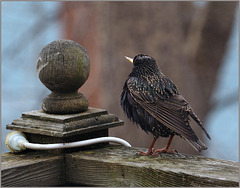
(166,150)
(149,152)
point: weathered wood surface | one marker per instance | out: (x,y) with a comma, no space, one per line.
(63,126)
(115,166)
(120,166)
(32,169)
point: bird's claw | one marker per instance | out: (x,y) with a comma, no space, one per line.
(157,152)
(165,150)
(147,154)
(175,151)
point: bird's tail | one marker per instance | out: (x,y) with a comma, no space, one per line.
(197,120)
(198,145)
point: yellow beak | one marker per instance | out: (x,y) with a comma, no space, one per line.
(129,59)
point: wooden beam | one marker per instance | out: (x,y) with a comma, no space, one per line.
(115,166)
(120,166)
(32,169)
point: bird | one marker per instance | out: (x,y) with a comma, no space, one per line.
(153,102)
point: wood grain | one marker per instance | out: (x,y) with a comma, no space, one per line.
(116,166)
(32,169)
(63,126)
(120,166)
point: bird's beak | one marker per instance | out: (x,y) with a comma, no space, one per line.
(129,59)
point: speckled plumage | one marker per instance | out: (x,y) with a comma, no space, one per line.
(153,101)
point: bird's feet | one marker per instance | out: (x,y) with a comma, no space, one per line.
(165,150)
(156,152)
(147,154)
(152,153)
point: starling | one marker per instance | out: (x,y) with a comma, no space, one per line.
(153,102)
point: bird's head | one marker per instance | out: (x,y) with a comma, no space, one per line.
(144,65)
(141,59)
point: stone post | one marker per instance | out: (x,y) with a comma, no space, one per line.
(63,67)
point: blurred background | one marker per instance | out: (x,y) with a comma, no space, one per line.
(194,43)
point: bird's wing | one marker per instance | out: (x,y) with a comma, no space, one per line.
(171,112)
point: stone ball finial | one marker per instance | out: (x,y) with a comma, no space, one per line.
(63,67)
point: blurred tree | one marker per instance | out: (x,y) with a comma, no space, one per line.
(187,41)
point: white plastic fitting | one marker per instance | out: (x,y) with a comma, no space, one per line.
(16,142)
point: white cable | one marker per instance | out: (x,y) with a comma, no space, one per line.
(75,144)
(16,141)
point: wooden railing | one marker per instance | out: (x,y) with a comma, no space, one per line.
(115,166)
